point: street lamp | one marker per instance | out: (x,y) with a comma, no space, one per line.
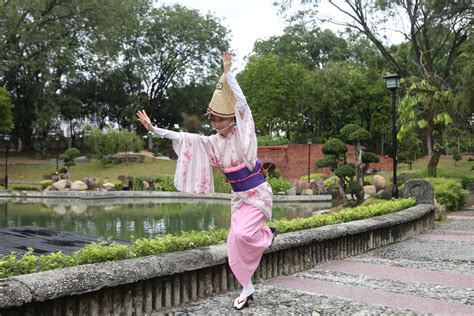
(393,83)
(6,139)
(309,142)
(56,138)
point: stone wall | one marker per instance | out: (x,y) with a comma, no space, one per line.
(143,285)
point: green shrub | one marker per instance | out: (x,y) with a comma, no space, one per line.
(272,141)
(279,184)
(449,192)
(220,185)
(45,183)
(314,177)
(331,182)
(465,181)
(15,264)
(25,187)
(164,182)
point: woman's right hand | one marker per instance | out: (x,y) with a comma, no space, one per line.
(145,120)
(227,61)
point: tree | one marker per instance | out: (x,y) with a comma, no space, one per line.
(6,121)
(456,156)
(436,32)
(43,42)
(178,43)
(356,135)
(68,157)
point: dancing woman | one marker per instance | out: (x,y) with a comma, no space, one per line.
(233,150)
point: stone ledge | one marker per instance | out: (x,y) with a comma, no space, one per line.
(103,195)
(50,285)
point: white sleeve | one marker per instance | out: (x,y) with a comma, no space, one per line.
(167,133)
(241,104)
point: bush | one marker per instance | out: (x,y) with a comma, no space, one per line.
(165,182)
(220,185)
(14,264)
(331,182)
(279,184)
(449,192)
(25,187)
(45,183)
(314,177)
(272,141)
(465,181)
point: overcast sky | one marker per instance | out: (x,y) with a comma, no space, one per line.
(250,20)
(247,20)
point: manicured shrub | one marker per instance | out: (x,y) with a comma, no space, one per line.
(45,183)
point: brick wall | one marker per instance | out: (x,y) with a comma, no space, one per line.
(292,160)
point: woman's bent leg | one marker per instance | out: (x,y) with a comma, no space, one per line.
(246,242)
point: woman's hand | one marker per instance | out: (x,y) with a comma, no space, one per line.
(227,61)
(145,120)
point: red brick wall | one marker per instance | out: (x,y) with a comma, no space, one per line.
(292,160)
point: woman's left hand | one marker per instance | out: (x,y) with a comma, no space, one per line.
(227,61)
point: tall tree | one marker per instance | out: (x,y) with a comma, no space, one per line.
(179,45)
(6,121)
(436,31)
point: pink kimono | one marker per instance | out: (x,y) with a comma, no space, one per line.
(197,154)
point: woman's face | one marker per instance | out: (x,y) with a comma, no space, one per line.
(222,125)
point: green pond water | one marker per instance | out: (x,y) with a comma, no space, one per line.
(124,220)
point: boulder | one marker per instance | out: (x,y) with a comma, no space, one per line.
(291,191)
(146,185)
(109,186)
(62,185)
(370,189)
(78,186)
(307,192)
(379,182)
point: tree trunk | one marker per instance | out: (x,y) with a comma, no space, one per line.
(433,164)
(429,146)
(340,186)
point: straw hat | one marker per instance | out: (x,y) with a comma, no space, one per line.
(223,100)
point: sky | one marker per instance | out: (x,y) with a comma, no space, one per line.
(247,20)
(250,20)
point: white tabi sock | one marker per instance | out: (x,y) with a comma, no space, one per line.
(247,291)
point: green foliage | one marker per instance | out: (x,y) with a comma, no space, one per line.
(45,183)
(456,155)
(465,181)
(272,141)
(449,192)
(314,177)
(334,147)
(331,182)
(100,252)
(25,187)
(327,161)
(68,157)
(110,141)
(353,188)
(368,157)
(220,185)
(346,215)
(14,264)
(279,184)
(6,117)
(345,171)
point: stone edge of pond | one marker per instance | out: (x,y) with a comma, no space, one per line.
(101,195)
(47,285)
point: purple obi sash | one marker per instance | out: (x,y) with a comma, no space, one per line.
(243,179)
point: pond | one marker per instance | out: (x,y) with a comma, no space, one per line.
(125,220)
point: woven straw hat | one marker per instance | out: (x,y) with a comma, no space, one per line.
(223,100)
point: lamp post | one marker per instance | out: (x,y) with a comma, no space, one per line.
(56,138)
(6,139)
(393,83)
(309,142)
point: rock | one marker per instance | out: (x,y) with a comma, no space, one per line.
(62,185)
(370,189)
(379,182)
(109,186)
(50,188)
(78,186)
(422,190)
(146,185)
(291,191)
(307,192)
(78,208)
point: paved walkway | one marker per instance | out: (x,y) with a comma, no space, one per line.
(432,273)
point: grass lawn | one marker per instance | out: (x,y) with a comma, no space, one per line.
(33,170)
(446,168)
